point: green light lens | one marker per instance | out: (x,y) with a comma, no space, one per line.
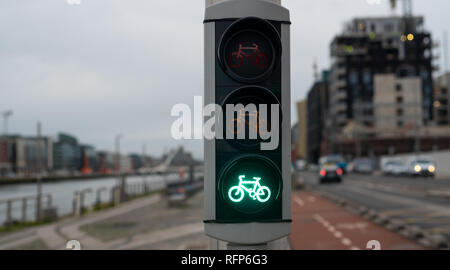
(256,191)
(250,184)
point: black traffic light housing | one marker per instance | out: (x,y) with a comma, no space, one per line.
(248,71)
(247,76)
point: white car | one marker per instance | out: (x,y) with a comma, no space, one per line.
(395,168)
(422,167)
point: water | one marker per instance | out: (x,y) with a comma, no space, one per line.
(63,193)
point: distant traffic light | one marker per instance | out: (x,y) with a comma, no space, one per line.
(247,73)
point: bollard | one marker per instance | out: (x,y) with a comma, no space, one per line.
(49,201)
(145,188)
(117,194)
(38,207)
(78,204)
(24,210)
(9,213)
(98,200)
(123,187)
(81,202)
(113,190)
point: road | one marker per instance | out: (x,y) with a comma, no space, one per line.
(419,203)
(321,224)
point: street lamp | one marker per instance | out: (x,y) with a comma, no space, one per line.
(6,115)
(118,159)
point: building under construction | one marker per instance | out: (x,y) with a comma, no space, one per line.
(370,47)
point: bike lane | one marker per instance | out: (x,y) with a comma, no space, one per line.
(319,224)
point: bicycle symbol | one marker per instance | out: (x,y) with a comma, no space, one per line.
(238,124)
(257,58)
(256,192)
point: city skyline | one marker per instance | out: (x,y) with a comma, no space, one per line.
(98,69)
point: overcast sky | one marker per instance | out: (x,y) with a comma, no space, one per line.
(106,67)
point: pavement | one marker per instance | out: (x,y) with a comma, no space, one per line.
(146,223)
(320,224)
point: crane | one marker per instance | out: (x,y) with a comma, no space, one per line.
(407,7)
(6,115)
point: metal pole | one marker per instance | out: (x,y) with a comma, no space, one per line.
(9,213)
(212,2)
(39,176)
(24,210)
(445,45)
(49,201)
(231,246)
(6,115)
(144,163)
(118,157)
(419,118)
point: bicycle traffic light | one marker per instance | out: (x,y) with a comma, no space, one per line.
(247,165)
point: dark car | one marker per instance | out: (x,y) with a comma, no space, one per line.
(330,173)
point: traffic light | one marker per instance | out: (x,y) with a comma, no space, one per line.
(247,75)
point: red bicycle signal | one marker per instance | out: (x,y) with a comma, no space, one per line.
(256,57)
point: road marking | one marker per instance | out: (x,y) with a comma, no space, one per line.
(379,196)
(338,234)
(299,201)
(346,241)
(352,226)
(319,218)
(311,199)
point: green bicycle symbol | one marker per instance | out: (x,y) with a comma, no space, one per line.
(255,191)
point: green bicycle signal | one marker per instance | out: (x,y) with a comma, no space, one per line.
(255,191)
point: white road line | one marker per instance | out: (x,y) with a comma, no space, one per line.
(318,218)
(338,234)
(299,201)
(311,199)
(346,241)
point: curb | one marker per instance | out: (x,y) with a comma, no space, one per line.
(412,232)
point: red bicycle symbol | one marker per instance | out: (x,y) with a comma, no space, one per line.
(257,58)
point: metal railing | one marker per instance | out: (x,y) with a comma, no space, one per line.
(26,206)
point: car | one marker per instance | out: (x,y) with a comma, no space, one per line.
(329,173)
(396,168)
(363,165)
(422,167)
(336,159)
